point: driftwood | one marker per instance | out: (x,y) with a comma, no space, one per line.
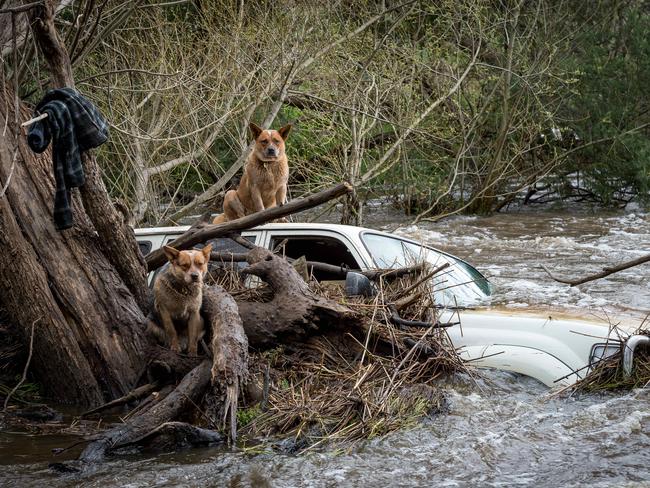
(175,435)
(183,398)
(294,313)
(605,272)
(292,316)
(197,235)
(229,353)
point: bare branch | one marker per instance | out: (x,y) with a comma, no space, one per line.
(382,166)
(605,272)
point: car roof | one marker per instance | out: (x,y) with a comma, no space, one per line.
(348,230)
(344,229)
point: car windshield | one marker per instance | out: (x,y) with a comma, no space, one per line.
(460,284)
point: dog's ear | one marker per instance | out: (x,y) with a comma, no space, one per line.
(256,130)
(171,253)
(206,251)
(284,131)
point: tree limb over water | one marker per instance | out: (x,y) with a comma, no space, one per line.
(605,272)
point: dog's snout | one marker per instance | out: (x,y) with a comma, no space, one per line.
(194,276)
(271,151)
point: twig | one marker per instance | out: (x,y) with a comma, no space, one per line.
(11,173)
(136,394)
(424,279)
(393,273)
(34,120)
(280,245)
(602,274)
(21,8)
(29,358)
(399,321)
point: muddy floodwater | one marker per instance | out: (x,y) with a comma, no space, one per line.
(503,430)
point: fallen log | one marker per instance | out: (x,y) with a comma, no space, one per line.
(200,234)
(292,316)
(229,353)
(183,398)
(175,435)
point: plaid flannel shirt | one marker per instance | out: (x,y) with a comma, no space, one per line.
(74,125)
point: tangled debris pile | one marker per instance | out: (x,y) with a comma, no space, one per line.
(609,374)
(362,384)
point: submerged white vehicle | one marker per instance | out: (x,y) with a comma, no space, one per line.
(553,349)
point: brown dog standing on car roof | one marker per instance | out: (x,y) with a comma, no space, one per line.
(264,183)
(177,295)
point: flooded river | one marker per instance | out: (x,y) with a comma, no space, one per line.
(503,431)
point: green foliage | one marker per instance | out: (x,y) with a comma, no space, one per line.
(611,98)
(246,415)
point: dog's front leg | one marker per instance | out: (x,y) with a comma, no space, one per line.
(256,196)
(281,195)
(170,330)
(194,328)
(281,199)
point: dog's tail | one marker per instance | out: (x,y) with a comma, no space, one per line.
(155,330)
(219,219)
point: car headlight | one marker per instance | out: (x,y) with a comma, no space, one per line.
(603,351)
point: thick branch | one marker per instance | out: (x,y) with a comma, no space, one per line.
(294,313)
(602,274)
(50,43)
(177,402)
(197,235)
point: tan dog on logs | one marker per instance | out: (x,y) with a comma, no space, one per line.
(177,294)
(264,183)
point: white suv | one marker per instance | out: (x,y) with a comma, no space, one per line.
(555,350)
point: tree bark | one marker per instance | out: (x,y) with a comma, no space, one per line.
(294,313)
(229,353)
(82,287)
(89,335)
(116,237)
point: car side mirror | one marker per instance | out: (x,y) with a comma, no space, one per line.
(358,284)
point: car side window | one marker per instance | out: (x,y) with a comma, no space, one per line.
(323,249)
(225,244)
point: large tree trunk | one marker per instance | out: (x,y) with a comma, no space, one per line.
(83,287)
(89,331)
